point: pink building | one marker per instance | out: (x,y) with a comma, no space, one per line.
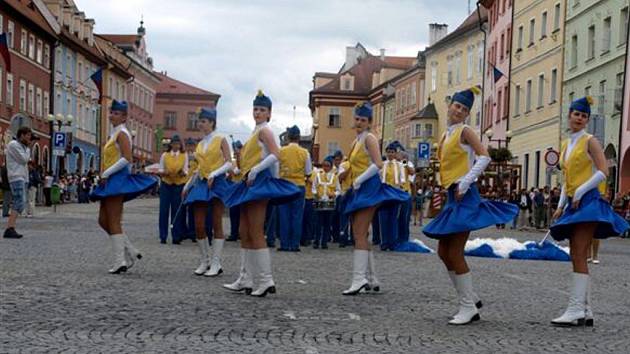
(496,90)
(624,171)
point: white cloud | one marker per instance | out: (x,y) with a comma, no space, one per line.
(236,47)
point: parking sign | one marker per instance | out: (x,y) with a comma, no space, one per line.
(424,151)
(59,140)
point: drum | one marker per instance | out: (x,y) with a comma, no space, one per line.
(324,205)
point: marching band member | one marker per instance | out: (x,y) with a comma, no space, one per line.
(259,158)
(189,233)
(295,164)
(345,183)
(173,171)
(336,217)
(366,195)
(464,211)
(325,188)
(391,174)
(235,177)
(209,187)
(117,185)
(407,177)
(308,220)
(582,212)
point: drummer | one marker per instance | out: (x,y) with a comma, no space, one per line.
(407,184)
(391,174)
(325,189)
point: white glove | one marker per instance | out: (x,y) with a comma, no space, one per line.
(263,165)
(117,166)
(236,170)
(221,170)
(191,181)
(474,173)
(563,198)
(369,172)
(597,178)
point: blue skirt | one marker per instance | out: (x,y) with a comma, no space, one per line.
(200,192)
(265,187)
(471,213)
(593,208)
(372,192)
(124,183)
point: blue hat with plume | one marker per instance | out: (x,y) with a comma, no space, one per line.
(176,139)
(329,159)
(582,105)
(261,100)
(466,97)
(363,109)
(119,106)
(190,141)
(338,153)
(293,132)
(392,146)
(209,113)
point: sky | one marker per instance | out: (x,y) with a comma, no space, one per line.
(235,47)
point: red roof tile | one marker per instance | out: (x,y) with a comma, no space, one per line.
(120,38)
(29,9)
(168,85)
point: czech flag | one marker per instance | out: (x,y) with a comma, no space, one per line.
(97,77)
(4,51)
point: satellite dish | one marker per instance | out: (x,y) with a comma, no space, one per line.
(20,120)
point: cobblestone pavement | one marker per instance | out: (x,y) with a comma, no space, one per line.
(56,296)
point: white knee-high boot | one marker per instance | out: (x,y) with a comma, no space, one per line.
(373,282)
(359,272)
(244,280)
(575,314)
(467,310)
(203,256)
(215,261)
(118,249)
(590,321)
(131,252)
(476,299)
(261,271)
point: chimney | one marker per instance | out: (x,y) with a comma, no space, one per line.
(437,31)
(89,31)
(67,17)
(352,57)
(383,54)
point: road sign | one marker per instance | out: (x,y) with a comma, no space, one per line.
(59,152)
(424,151)
(59,141)
(552,157)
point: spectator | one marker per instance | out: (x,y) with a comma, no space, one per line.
(17,155)
(514,200)
(524,204)
(6,191)
(34,181)
(539,208)
(48,183)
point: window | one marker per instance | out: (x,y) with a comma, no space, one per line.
(508,42)
(333,147)
(480,57)
(10,33)
(619,92)
(587,91)
(470,63)
(571,97)
(520,38)
(417,131)
(170,120)
(334,117)
(24,42)
(537,170)
(601,102)
(506,100)
(478,118)
(191,121)
(80,118)
(541,89)
(346,84)
(552,87)
(22,105)
(543,25)
(499,101)
(528,97)
(31,98)
(80,72)
(449,64)
(31,47)
(517,100)
(110,87)
(458,67)
(532,31)
(606,35)
(9,89)
(502,47)
(623,28)
(556,17)
(590,54)
(428,128)
(433,77)
(413,95)
(38,102)
(526,173)
(46,56)
(574,44)
(46,104)
(40,51)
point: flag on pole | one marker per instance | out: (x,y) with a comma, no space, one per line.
(4,51)
(97,77)
(497,74)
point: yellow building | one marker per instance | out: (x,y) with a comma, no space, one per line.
(537,66)
(454,62)
(362,77)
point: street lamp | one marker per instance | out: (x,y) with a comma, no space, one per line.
(508,137)
(60,119)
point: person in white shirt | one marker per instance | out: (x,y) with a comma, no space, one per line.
(18,154)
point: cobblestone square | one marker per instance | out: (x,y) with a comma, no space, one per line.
(56,296)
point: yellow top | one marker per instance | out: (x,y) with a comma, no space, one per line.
(326,183)
(111,152)
(252,151)
(211,158)
(347,182)
(193,165)
(236,177)
(293,159)
(454,160)
(578,167)
(173,165)
(308,193)
(391,173)
(359,158)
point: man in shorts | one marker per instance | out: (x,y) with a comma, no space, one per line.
(18,154)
